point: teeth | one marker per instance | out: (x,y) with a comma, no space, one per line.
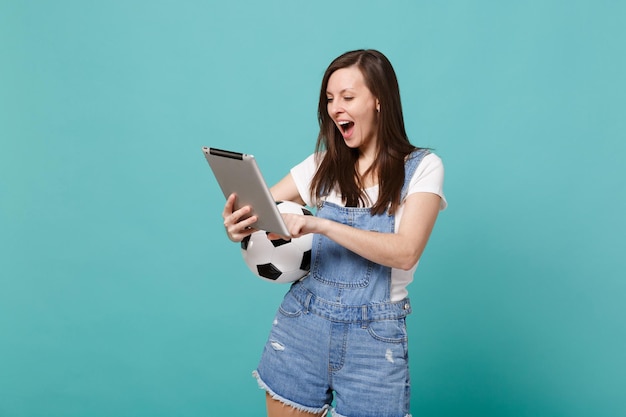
(345,125)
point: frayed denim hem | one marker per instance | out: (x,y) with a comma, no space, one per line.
(333,413)
(263,386)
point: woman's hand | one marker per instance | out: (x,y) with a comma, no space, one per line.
(298,225)
(236,225)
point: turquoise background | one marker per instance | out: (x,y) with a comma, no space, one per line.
(120,294)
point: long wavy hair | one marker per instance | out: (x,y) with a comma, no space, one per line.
(338,167)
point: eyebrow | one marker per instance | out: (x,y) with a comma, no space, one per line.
(342,91)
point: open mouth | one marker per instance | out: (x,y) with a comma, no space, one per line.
(346,127)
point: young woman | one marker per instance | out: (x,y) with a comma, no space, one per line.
(340,332)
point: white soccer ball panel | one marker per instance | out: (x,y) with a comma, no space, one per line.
(287,257)
(259,249)
(278,261)
(304,243)
(290,207)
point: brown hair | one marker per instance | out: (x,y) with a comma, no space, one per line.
(337,169)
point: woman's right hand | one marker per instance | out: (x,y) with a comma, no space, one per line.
(236,225)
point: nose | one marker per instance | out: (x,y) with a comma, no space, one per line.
(334,108)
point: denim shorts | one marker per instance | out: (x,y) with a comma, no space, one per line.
(319,352)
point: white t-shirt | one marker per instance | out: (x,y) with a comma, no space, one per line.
(428,178)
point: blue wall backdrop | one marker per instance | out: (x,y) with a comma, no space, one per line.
(119,292)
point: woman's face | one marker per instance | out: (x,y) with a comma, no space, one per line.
(353,108)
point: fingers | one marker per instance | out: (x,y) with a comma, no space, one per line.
(229,206)
(276,236)
(237,223)
(238,230)
(297,224)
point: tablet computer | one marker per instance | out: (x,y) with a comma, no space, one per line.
(238,173)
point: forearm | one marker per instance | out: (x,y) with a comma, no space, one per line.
(399,250)
(389,249)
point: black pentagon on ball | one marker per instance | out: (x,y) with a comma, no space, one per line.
(244,242)
(279,242)
(305,265)
(268,271)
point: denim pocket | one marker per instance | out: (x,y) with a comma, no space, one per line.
(390,331)
(290,307)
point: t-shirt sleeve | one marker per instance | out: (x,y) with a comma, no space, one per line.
(428,178)
(302,175)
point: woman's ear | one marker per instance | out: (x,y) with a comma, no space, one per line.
(377,106)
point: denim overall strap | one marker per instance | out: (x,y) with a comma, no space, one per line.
(410,167)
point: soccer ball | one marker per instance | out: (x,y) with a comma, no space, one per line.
(279,261)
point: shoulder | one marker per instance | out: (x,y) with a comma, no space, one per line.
(429,162)
(421,159)
(429,177)
(432,161)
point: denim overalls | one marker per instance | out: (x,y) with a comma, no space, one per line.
(337,329)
